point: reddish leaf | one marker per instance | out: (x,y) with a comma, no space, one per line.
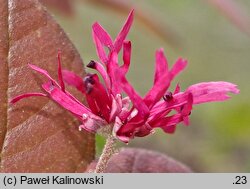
(132,160)
(64,6)
(36,135)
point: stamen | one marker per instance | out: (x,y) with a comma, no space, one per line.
(91,64)
(168,96)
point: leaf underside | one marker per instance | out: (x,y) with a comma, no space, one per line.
(36,135)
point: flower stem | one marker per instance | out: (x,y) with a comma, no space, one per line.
(107,152)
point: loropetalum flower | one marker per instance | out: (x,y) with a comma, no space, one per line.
(127,117)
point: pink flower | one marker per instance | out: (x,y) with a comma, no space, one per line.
(133,115)
(153,109)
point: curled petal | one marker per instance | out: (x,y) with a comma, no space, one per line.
(212,91)
(20,97)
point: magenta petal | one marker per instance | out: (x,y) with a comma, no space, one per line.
(144,130)
(161,65)
(42,71)
(133,95)
(74,80)
(124,32)
(157,91)
(161,82)
(102,35)
(129,129)
(212,91)
(126,56)
(116,107)
(117,125)
(66,101)
(166,122)
(186,110)
(177,89)
(112,68)
(179,66)
(169,129)
(60,72)
(100,49)
(20,97)
(97,95)
(188,106)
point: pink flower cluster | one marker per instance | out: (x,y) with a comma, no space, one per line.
(133,115)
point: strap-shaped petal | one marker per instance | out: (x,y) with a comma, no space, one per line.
(124,32)
(74,80)
(212,91)
(99,67)
(112,68)
(100,49)
(26,95)
(159,88)
(166,122)
(102,35)
(126,56)
(60,78)
(43,72)
(133,95)
(161,65)
(65,100)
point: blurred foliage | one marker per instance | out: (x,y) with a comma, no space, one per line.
(218,138)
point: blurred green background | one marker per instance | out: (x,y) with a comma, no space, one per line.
(218,138)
